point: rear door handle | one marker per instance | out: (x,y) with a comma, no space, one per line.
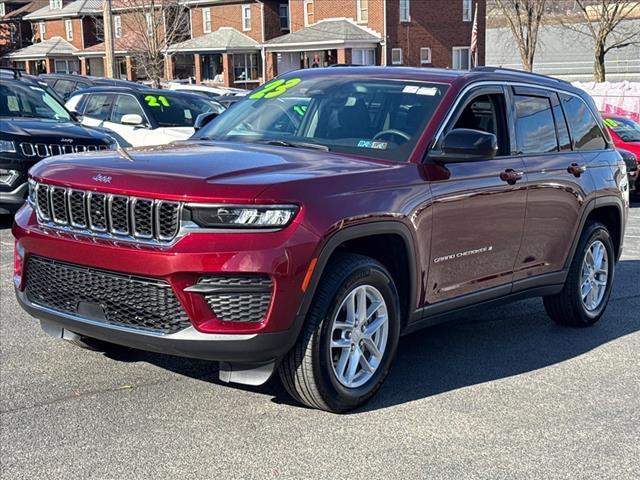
(576,170)
(511,176)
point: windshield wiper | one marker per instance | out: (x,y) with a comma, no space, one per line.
(286,143)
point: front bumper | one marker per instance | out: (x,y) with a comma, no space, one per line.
(239,348)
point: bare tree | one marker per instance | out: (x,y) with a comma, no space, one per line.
(606,23)
(524,18)
(149,27)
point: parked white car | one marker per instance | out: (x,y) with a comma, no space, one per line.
(141,117)
(209,91)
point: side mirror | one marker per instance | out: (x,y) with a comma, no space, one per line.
(203,119)
(466,145)
(75,116)
(132,119)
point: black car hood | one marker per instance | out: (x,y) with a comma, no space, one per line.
(40,127)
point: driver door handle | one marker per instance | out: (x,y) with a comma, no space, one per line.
(511,176)
(576,170)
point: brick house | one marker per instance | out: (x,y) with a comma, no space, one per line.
(246,42)
(15,31)
(60,30)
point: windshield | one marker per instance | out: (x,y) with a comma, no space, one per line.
(179,110)
(374,117)
(18,100)
(627,130)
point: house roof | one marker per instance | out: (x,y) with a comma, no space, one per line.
(330,32)
(27,7)
(73,9)
(222,40)
(120,45)
(53,47)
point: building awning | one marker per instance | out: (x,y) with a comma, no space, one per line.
(223,40)
(52,48)
(324,35)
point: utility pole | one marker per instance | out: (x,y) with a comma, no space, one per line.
(107,19)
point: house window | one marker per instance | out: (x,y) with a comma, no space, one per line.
(363,11)
(68,28)
(149,17)
(461,58)
(55,4)
(246,18)
(405,15)
(246,66)
(117,26)
(13,30)
(425,55)
(363,56)
(309,13)
(206,20)
(3,12)
(467,10)
(284,16)
(396,56)
(43,30)
(66,66)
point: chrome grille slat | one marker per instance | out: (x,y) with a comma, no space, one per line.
(107,215)
(43,150)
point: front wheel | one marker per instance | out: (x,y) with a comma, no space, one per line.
(586,293)
(349,339)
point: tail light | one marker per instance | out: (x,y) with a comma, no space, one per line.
(18,264)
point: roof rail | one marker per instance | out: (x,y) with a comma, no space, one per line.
(521,72)
(16,72)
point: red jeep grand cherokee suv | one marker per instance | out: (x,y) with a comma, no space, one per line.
(327,214)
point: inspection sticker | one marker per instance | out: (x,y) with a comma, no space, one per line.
(372,144)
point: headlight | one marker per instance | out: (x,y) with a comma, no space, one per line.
(243,216)
(31,196)
(7,146)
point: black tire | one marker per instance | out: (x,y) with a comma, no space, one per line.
(307,371)
(567,307)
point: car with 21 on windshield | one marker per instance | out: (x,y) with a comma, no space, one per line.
(328,213)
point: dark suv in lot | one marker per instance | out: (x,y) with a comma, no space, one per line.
(33,126)
(333,210)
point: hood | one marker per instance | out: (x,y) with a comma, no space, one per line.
(198,170)
(47,131)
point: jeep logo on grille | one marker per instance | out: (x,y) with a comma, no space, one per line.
(66,140)
(102,178)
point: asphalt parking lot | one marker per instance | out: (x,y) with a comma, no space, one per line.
(503,393)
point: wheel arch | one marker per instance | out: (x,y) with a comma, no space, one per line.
(361,239)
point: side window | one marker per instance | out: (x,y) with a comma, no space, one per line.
(65,88)
(73,104)
(125,105)
(487,114)
(585,131)
(561,125)
(98,106)
(535,128)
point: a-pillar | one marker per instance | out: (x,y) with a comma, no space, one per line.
(344,56)
(168,67)
(227,69)
(197,67)
(83,66)
(271,65)
(131,73)
(49,65)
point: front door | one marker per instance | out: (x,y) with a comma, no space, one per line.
(478,207)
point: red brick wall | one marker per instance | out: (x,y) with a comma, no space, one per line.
(437,24)
(338,8)
(55,28)
(272,19)
(229,15)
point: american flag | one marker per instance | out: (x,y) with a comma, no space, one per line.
(474,38)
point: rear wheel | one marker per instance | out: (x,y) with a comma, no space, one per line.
(586,293)
(349,339)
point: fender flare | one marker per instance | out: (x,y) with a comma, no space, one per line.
(352,233)
(594,204)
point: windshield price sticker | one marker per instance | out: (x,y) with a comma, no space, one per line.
(159,101)
(275,88)
(610,122)
(429,91)
(372,144)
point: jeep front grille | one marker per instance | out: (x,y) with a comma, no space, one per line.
(43,150)
(102,214)
(116,299)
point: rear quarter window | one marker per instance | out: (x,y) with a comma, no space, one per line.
(535,127)
(585,132)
